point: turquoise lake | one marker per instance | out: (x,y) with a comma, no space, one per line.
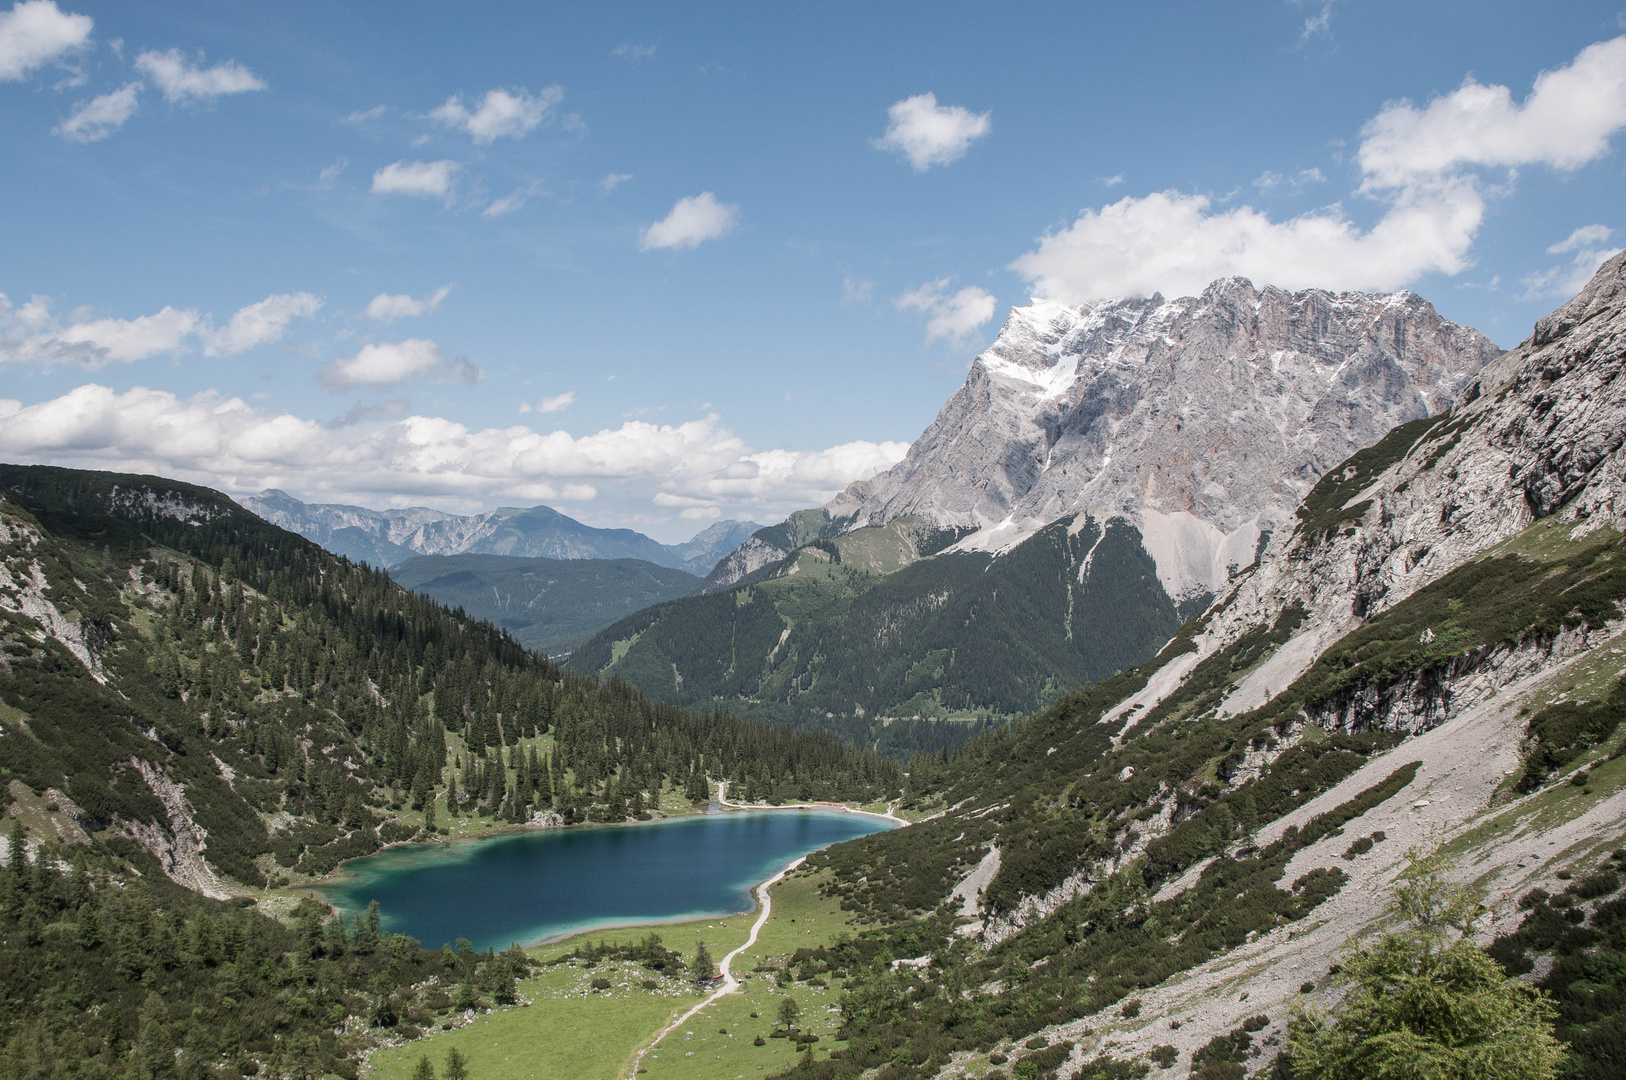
(532,886)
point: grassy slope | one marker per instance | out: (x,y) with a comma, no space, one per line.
(572,1032)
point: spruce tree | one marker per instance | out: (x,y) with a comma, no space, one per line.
(704,967)
(1427,1001)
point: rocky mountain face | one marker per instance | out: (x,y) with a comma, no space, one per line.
(388,537)
(1202,420)
(1166,864)
(1185,432)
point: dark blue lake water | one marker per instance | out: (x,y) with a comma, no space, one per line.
(526,887)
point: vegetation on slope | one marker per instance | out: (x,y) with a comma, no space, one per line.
(248,707)
(840,632)
(550,605)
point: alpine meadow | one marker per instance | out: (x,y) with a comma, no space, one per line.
(1188,635)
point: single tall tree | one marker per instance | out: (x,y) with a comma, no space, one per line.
(704,968)
(1427,1001)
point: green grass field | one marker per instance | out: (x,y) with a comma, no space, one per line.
(572,1032)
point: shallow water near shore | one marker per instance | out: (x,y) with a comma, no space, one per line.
(531,886)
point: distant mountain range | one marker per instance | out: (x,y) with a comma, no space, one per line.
(386,538)
(1104,472)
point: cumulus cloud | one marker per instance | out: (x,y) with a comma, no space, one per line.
(694,219)
(1418,161)
(100,116)
(392,363)
(182,81)
(32,334)
(955,315)
(1566,122)
(421,179)
(1589,246)
(35,33)
(228,443)
(928,134)
(550,404)
(500,113)
(387,307)
(260,323)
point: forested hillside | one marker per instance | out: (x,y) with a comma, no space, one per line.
(190,694)
(550,605)
(873,624)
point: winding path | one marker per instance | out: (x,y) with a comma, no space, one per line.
(731,985)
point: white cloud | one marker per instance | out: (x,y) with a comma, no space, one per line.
(260,323)
(392,363)
(386,307)
(1565,122)
(613,181)
(955,316)
(421,179)
(855,291)
(694,219)
(325,178)
(230,444)
(500,113)
(32,334)
(366,116)
(182,82)
(1590,246)
(1318,24)
(634,53)
(1416,161)
(1269,182)
(36,32)
(1584,237)
(512,201)
(550,404)
(100,116)
(931,134)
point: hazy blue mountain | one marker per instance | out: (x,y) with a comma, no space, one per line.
(389,537)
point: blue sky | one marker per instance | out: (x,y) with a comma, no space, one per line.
(657,265)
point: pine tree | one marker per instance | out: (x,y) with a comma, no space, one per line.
(704,967)
(425,1070)
(1427,1000)
(457,1067)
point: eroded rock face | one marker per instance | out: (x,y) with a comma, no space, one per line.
(1541,431)
(1204,420)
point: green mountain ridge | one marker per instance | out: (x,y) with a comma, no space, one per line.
(881,622)
(550,605)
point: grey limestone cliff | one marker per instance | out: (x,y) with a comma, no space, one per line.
(1203,420)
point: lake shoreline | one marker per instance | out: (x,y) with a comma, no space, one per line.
(342,876)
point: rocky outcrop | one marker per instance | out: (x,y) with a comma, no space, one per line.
(1204,420)
(1541,432)
(179,848)
(741,563)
